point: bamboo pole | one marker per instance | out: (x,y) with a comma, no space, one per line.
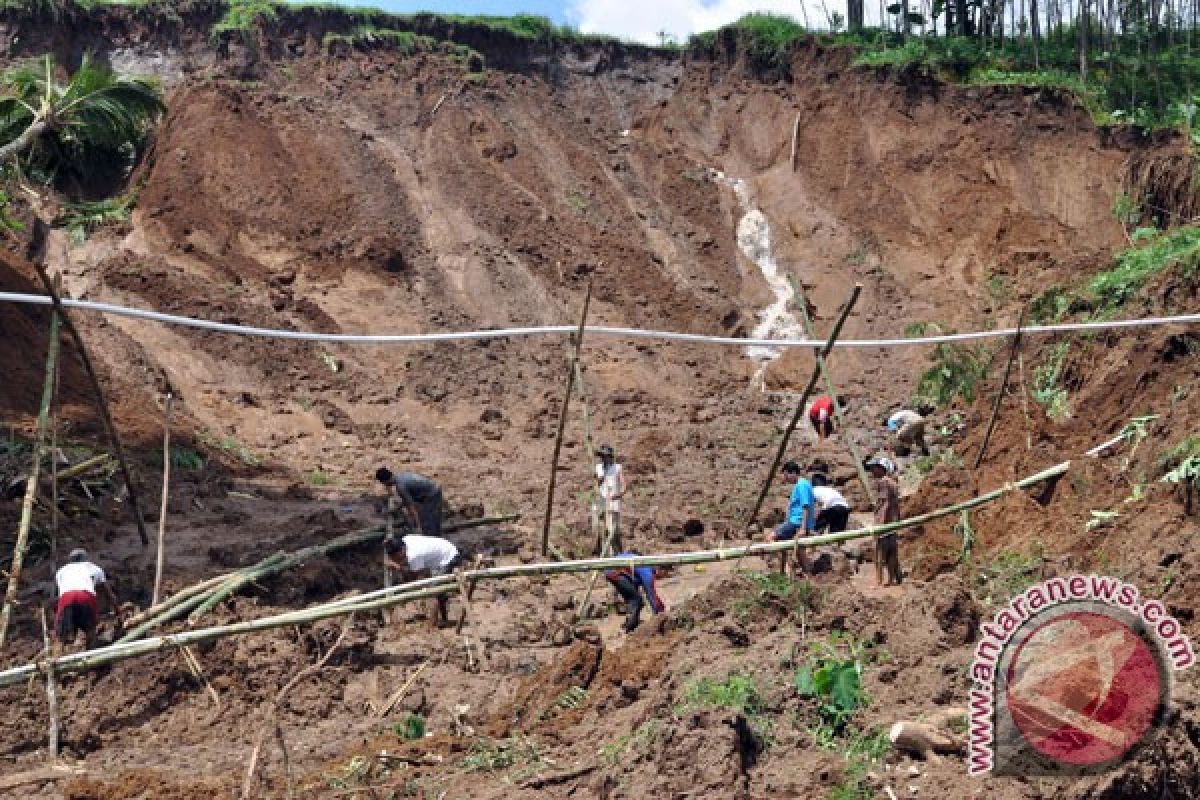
(839,412)
(589,454)
(51,692)
(431,587)
(562,419)
(799,412)
(795,137)
(162,509)
(18,558)
(82,467)
(18,264)
(55,410)
(1012,354)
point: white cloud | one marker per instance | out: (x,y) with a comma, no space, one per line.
(641,20)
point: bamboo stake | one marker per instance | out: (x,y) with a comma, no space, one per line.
(795,137)
(1012,354)
(17,264)
(51,692)
(839,412)
(1024,400)
(589,454)
(431,587)
(162,509)
(18,559)
(56,409)
(82,467)
(812,382)
(562,419)
(399,694)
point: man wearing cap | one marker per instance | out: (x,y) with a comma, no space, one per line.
(421,497)
(610,488)
(801,517)
(887,509)
(417,556)
(77,610)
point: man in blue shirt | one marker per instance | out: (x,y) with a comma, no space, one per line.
(801,516)
(630,583)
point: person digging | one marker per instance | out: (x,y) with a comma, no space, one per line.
(415,556)
(887,509)
(610,488)
(420,497)
(630,583)
(77,582)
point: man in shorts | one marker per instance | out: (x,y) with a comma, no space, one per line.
(77,610)
(834,511)
(416,556)
(801,516)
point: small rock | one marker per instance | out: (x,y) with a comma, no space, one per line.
(914,771)
(1170,558)
(630,690)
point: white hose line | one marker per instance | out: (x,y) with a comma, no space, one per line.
(598,330)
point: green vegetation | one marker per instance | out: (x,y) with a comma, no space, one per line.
(832,675)
(241,16)
(88,125)
(318,477)
(863,751)
(366,36)
(1181,464)
(577,201)
(956,372)
(1048,391)
(1010,572)
(773,589)
(411,727)
(640,741)
(81,218)
(231,446)
(738,692)
(1179,248)
(494,755)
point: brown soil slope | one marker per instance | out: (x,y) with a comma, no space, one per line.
(389,193)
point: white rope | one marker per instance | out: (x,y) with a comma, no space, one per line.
(597,330)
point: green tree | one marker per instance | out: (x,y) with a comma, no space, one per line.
(93,115)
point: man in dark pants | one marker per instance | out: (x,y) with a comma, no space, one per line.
(78,581)
(630,582)
(416,557)
(422,499)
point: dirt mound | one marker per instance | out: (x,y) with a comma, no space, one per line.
(142,784)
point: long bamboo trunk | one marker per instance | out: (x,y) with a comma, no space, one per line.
(1012,354)
(812,383)
(162,508)
(431,587)
(562,419)
(18,559)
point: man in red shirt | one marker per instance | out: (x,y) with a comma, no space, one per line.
(821,414)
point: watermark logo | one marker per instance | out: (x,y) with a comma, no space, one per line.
(1071,677)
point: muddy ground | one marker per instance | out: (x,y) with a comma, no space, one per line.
(375,191)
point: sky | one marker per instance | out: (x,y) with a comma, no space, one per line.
(638,20)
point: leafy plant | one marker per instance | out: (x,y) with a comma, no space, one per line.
(738,692)
(835,681)
(411,727)
(1101,519)
(242,15)
(1047,389)
(1137,265)
(771,588)
(492,755)
(967,534)
(956,372)
(82,218)
(232,446)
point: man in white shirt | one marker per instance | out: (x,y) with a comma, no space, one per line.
(610,488)
(834,510)
(909,427)
(77,610)
(417,556)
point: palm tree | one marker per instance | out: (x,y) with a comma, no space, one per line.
(95,112)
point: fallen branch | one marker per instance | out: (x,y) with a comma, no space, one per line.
(43,775)
(542,781)
(272,723)
(431,587)
(399,694)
